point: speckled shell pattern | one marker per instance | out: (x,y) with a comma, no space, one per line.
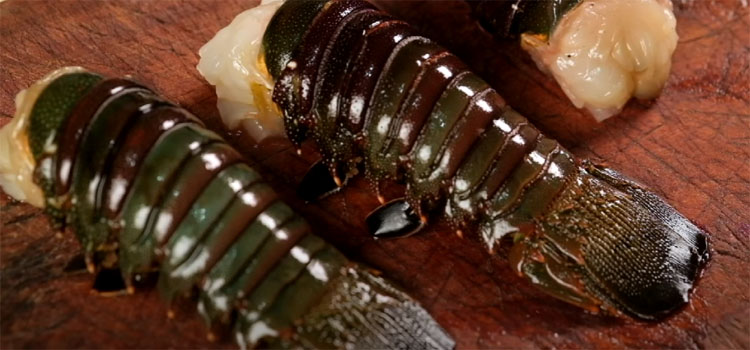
(371,91)
(146,187)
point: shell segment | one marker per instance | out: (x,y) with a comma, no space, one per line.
(49,111)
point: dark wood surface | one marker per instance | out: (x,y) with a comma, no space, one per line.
(692,146)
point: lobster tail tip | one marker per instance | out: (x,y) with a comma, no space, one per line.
(670,252)
(389,318)
(608,243)
(360,311)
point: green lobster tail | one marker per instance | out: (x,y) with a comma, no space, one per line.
(146,188)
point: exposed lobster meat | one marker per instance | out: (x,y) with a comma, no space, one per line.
(601,53)
(372,92)
(147,188)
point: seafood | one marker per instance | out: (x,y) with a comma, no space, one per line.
(372,94)
(147,188)
(601,52)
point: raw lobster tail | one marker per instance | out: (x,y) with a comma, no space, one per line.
(146,187)
(369,90)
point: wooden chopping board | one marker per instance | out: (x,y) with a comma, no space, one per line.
(692,146)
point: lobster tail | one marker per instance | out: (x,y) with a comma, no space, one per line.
(618,243)
(146,187)
(378,98)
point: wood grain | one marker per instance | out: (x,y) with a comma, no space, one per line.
(692,146)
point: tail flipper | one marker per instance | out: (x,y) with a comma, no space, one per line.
(363,311)
(607,242)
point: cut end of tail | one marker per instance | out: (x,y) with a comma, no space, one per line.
(603,53)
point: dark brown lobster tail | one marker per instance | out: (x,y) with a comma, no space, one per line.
(372,92)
